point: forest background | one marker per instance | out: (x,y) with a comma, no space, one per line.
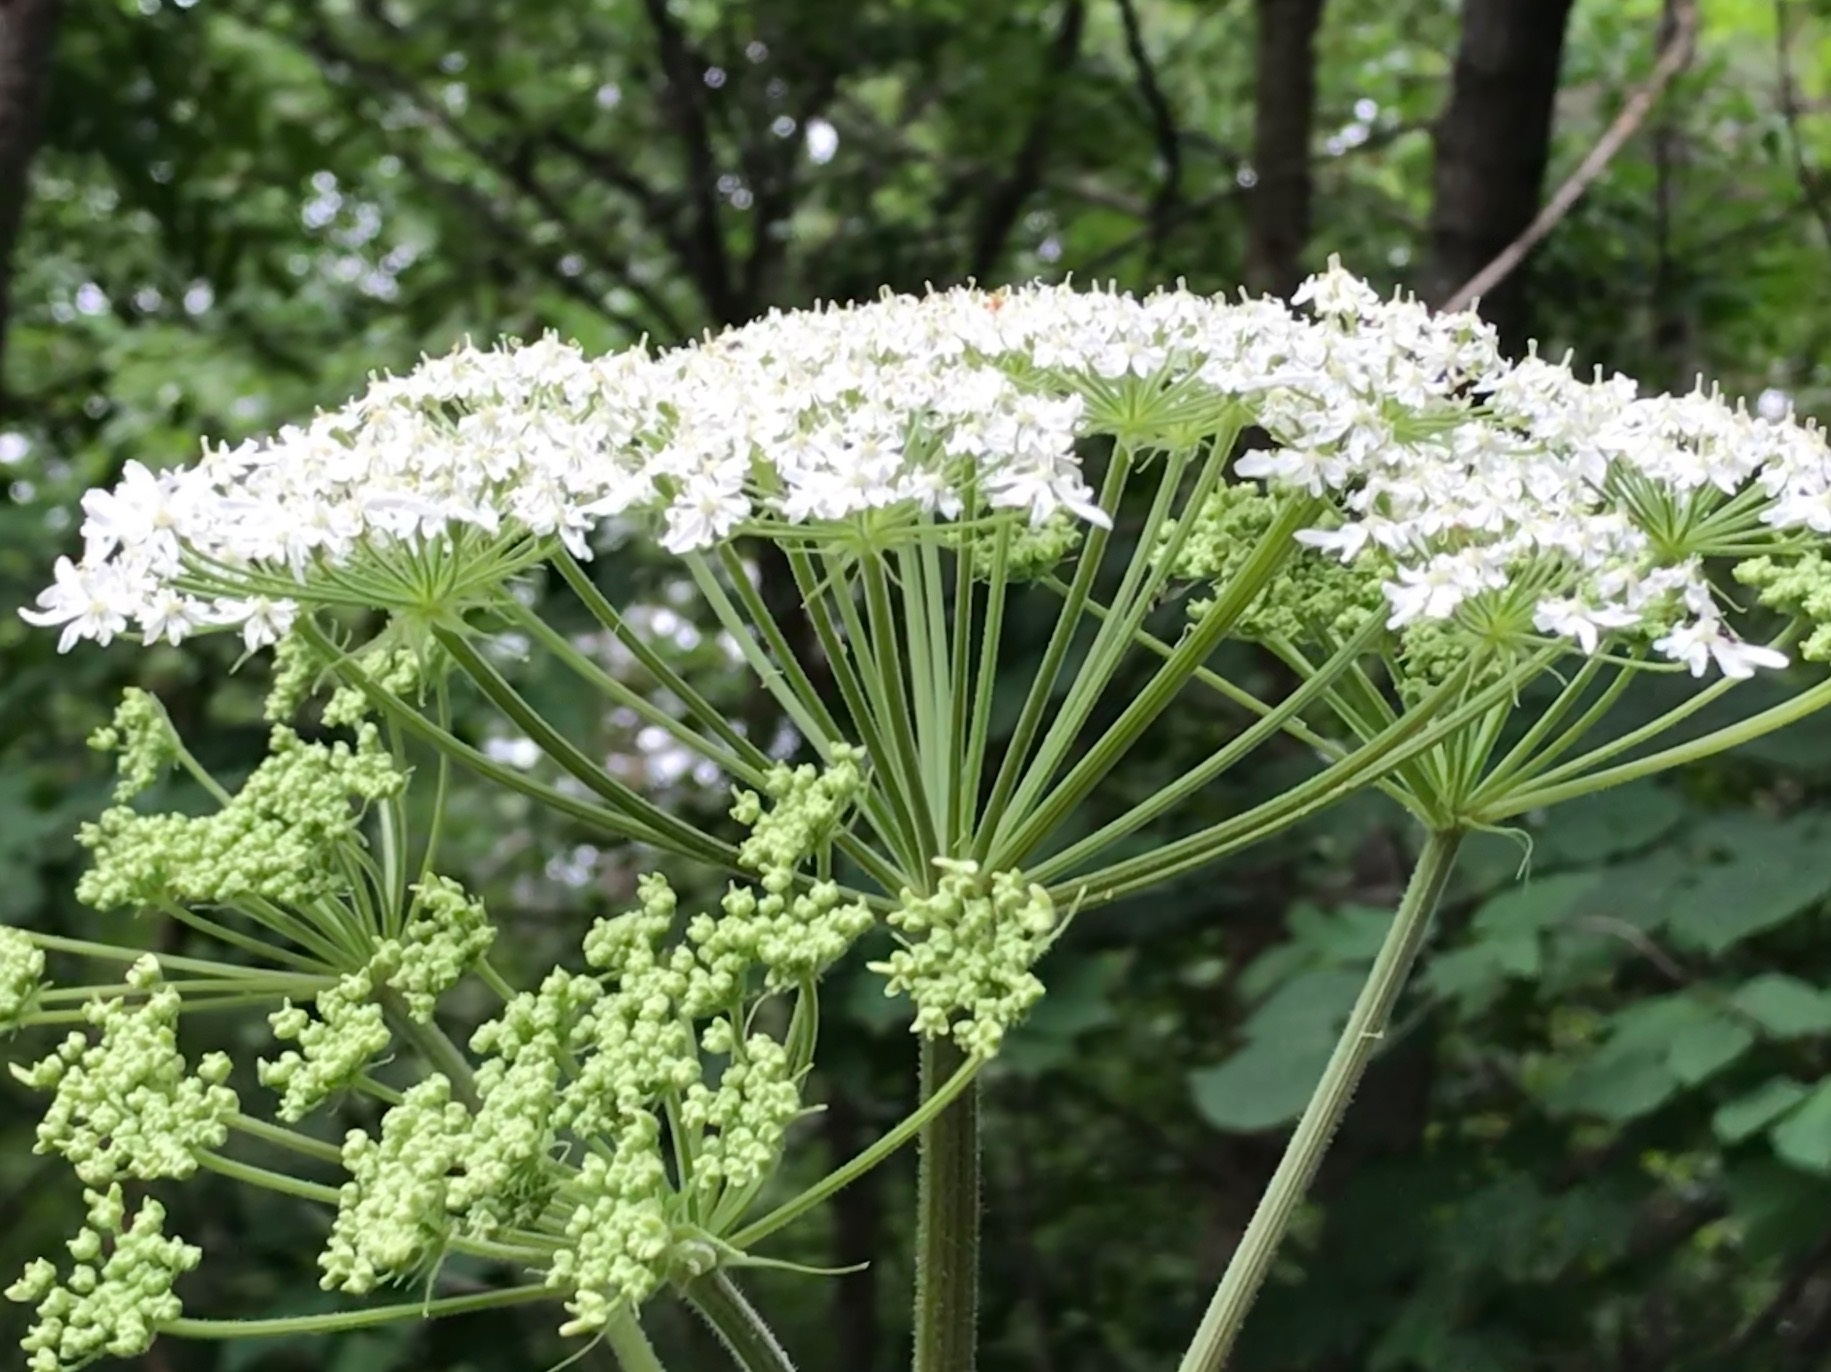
(1601,1141)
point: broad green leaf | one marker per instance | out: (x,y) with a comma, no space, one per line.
(1265,1084)
(1537,903)
(1803,1138)
(1785,1005)
(1749,1114)
(1615,1086)
(1606,824)
(1702,1050)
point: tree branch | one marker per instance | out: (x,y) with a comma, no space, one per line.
(1671,61)
(27,28)
(1163,125)
(1007,198)
(514,172)
(1284,117)
(683,97)
(1811,184)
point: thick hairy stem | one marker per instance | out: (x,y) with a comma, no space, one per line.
(947,1236)
(1323,1116)
(745,1336)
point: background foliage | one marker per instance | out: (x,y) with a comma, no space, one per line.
(1601,1141)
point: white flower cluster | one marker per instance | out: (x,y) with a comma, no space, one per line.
(1460,465)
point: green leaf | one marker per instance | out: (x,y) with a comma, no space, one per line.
(1702,1050)
(1784,1005)
(1749,1114)
(1265,1084)
(1607,824)
(1803,1138)
(1538,903)
(1617,1086)
(1773,873)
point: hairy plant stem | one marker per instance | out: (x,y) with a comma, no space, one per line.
(947,1223)
(629,1344)
(1359,1039)
(749,1341)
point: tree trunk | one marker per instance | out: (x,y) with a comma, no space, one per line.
(1284,118)
(26,27)
(1493,142)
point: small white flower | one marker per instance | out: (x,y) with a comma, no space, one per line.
(90,602)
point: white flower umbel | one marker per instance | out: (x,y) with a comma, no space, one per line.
(429,489)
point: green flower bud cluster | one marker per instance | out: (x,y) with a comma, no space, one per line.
(391,1216)
(335,1049)
(126,1104)
(809,806)
(651,1033)
(756,1099)
(1032,551)
(22,971)
(274,839)
(396,669)
(509,1174)
(1801,587)
(296,669)
(618,1235)
(142,736)
(1311,596)
(445,934)
(109,1306)
(793,938)
(967,953)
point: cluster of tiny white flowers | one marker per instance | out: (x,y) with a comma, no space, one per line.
(1427,442)
(22,977)
(116,1296)
(966,953)
(126,1105)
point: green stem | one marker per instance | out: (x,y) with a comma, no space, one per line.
(343,1320)
(1680,755)
(108,952)
(1360,1038)
(947,1219)
(647,821)
(658,667)
(414,723)
(743,769)
(630,1346)
(738,1326)
(834,1182)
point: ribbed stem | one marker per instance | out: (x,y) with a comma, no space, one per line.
(719,1302)
(947,1233)
(630,1345)
(1303,1154)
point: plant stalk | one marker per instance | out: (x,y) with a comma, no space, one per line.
(719,1302)
(947,1233)
(1360,1038)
